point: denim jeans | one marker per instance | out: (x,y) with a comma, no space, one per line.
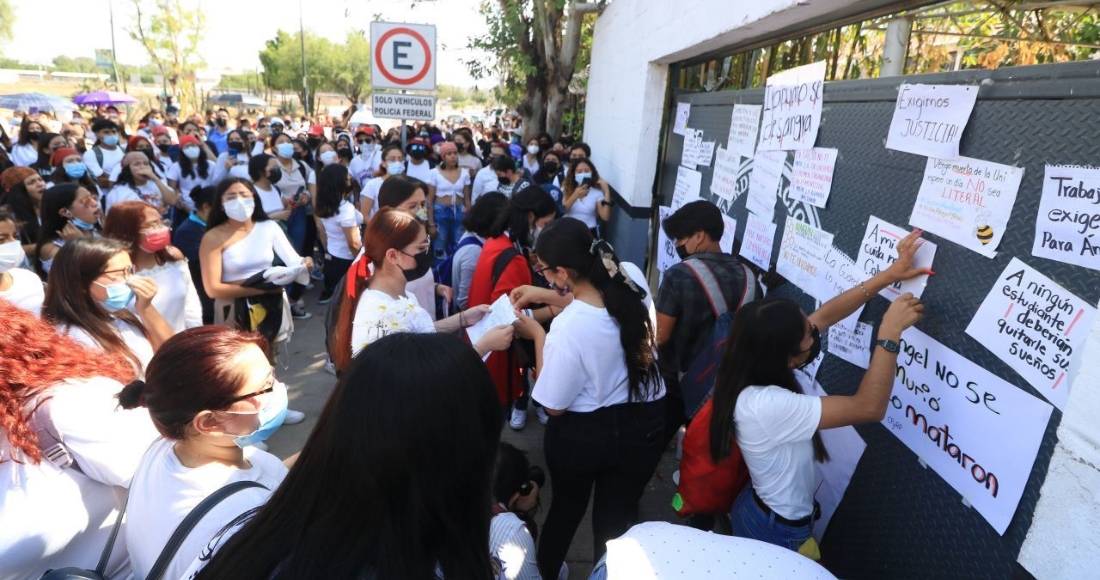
(296,230)
(448,221)
(749,521)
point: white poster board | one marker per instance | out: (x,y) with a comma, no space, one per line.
(879,249)
(744,127)
(758,241)
(979,433)
(680,122)
(840,275)
(802,256)
(666,249)
(852,343)
(792,108)
(812,175)
(1067,228)
(764,182)
(689,157)
(929,119)
(723,181)
(688,182)
(1036,327)
(967,201)
(729,232)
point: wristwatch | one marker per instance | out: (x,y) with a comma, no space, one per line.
(889,345)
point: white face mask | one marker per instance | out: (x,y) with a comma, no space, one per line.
(191,152)
(367,150)
(240,209)
(395,168)
(328,157)
(11,255)
(533,149)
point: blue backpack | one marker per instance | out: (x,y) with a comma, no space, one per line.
(697,382)
(443,271)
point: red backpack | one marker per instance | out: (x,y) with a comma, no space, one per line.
(706,487)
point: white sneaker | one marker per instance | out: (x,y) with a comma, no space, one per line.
(293,417)
(544,417)
(330,368)
(519,419)
(260,445)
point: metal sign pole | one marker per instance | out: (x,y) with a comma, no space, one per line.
(404,144)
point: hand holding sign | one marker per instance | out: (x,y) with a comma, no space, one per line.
(904,268)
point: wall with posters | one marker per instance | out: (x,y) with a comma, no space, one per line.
(949,484)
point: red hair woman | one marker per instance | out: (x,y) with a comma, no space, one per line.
(66,449)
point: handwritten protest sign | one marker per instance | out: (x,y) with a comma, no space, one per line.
(1035,326)
(840,274)
(688,182)
(501,313)
(802,256)
(967,201)
(666,249)
(729,232)
(979,433)
(705,152)
(879,249)
(792,108)
(680,123)
(1067,228)
(744,127)
(758,241)
(852,344)
(764,182)
(929,119)
(723,181)
(689,157)
(812,175)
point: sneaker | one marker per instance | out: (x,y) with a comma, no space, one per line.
(330,368)
(544,417)
(299,313)
(519,419)
(317,273)
(325,300)
(309,286)
(260,445)
(293,417)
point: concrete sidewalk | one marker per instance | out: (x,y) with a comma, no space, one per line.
(310,385)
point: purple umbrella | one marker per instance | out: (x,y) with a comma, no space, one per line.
(98,98)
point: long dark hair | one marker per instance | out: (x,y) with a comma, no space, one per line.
(332,187)
(190,168)
(361,499)
(54,200)
(44,165)
(533,200)
(217,215)
(23,208)
(764,335)
(60,177)
(24,130)
(567,243)
(68,302)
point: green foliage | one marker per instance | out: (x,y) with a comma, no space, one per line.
(80,64)
(330,67)
(170,32)
(351,77)
(7,21)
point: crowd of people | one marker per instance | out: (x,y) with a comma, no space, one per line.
(151,272)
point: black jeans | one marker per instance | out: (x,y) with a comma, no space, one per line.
(615,449)
(334,269)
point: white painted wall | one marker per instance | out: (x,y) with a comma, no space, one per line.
(1064,541)
(634,43)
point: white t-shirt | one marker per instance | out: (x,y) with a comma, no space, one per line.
(239,168)
(149,193)
(52,517)
(131,336)
(775,428)
(111,159)
(370,191)
(584,367)
(291,182)
(346,217)
(511,543)
(176,299)
(26,291)
(362,168)
(23,155)
(270,200)
(531,166)
(186,183)
(585,209)
(486,181)
(423,171)
(445,188)
(378,314)
(164,491)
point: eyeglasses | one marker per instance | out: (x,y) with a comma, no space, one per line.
(542,269)
(269,387)
(113,275)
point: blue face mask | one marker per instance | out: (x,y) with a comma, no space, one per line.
(110,140)
(119,295)
(271,417)
(81,224)
(285,150)
(76,170)
(580,177)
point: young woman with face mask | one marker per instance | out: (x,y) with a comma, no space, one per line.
(339,225)
(212,394)
(141,227)
(467,151)
(599,382)
(760,406)
(448,201)
(60,403)
(531,156)
(587,198)
(70,211)
(393,163)
(25,150)
(25,189)
(296,183)
(233,162)
(192,169)
(138,181)
(140,143)
(69,167)
(18,286)
(88,292)
(48,144)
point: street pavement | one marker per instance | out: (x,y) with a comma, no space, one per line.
(301,368)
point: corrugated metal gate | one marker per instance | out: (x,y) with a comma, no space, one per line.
(898,519)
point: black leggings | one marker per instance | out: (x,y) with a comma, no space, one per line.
(614,449)
(334,269)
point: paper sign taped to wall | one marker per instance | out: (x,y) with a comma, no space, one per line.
(802,256)
(764,182)
(1036,327)
(812,175)
(723,180)
(728,234)
(688,182)
(929,119)
(758,241)
(680,123)
(967,201)
(744,128)
(852,344)
(979,433)
(1067,228)
(840,274)
(879,249)
(705,152)
(689,157)
(792,108)
(666,249)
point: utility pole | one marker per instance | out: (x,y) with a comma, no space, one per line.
(114,59)
(302,36)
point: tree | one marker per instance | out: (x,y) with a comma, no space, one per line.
(7,21)
(170,33)
(352,76)
(536,44)
(282,62)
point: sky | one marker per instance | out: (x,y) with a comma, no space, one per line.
(236,30)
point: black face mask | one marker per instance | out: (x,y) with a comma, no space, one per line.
(418,154)
(164,147)
(297,156)
(33,136)
(222,122)
(275,175)
(235,147)
(815,348)
(552,168)
(682,251)
(423,264)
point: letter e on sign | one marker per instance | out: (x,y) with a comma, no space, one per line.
(403,56)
